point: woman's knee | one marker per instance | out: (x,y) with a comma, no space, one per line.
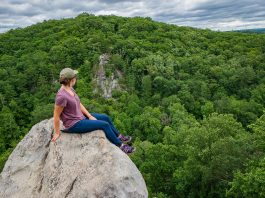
(104,123)
(107,117)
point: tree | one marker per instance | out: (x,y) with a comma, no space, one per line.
(147,87)
(148,125)
(250,183)
(210,153)
(9,131)
(157,163)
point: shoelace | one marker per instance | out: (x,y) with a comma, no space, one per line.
(127,148)
(124,138)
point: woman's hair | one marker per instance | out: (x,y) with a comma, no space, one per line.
(65,81)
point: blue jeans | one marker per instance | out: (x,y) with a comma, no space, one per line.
(103,122)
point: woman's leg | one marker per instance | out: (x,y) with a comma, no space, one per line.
(87,125)
(106,118)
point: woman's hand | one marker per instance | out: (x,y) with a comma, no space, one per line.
(56,136)
(92,118)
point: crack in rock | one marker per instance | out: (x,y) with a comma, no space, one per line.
(71,187)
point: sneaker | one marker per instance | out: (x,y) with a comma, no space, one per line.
(125,139)
(127,149)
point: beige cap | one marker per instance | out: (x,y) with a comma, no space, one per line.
(68,73)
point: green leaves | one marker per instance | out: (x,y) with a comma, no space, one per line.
(148,125)
(192,99)
(157,163)
(249,184)
(210,154)
(9,131)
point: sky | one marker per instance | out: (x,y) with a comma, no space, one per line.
(219,15)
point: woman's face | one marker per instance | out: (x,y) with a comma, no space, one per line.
(73,82)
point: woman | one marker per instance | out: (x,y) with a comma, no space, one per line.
(77,119)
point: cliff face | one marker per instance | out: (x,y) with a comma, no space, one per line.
(105,85)
(77,165)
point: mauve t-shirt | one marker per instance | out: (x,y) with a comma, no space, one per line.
(72,111)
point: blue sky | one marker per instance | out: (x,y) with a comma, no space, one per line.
(219,15)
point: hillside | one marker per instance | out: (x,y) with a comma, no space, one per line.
(257,30)
(192,99)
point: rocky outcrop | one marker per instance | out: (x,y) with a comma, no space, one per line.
(77,165)
(106,85)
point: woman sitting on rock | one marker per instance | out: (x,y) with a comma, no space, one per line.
(77,119)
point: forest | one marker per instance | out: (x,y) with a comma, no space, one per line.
(193,99)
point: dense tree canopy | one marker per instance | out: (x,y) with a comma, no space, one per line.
(192,99)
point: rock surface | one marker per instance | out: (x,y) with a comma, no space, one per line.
(106,84)
(77,165)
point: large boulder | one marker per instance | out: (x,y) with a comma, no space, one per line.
(77,165)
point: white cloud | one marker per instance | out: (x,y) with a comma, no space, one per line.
(216,15)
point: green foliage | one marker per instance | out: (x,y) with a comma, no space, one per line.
(41,112)
(245,111)
(210,154)
(3,157)
(207,108)
(8,130)
(249,184)
(148,125)
(192,99)
(157,169)
(180,117)
(147,86)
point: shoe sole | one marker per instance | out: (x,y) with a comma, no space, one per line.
(134,149)
(127,141)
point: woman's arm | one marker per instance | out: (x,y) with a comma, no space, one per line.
(56,118)
(85,111)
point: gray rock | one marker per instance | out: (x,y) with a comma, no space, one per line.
(76,165)
(105,85)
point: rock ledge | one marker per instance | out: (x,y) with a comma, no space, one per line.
(77,165)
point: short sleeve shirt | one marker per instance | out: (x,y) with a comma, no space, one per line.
(72,110)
